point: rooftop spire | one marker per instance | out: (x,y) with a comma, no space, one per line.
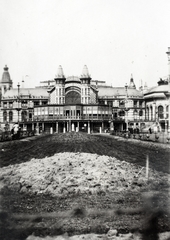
(60,73)
(132,85)
(6,76)
(85,72)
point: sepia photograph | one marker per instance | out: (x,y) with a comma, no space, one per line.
(84,120)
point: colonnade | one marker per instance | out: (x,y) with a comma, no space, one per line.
(68,126)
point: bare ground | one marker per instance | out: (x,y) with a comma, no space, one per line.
(13,202)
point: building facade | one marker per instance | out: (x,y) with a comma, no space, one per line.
(82,104)
(157,102)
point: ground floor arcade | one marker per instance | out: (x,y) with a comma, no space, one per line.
(66,126)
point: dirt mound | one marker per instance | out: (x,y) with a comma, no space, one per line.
(71,173)
(111,235)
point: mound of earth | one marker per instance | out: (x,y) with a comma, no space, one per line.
(111,235)
(72,173)
(57,174)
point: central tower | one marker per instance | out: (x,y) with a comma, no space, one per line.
(85,85)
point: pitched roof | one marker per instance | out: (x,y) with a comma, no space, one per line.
(36,92)
(118,91)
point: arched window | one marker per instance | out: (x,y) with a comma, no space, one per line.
(151,111)
(10,116)
(24,116)
(160,112)
(5,116)
(135,114)
(147,113)
(140,113)
(122,113)
(73,97)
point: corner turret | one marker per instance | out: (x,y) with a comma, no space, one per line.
(85,77)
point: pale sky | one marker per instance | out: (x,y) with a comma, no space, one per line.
(114,38)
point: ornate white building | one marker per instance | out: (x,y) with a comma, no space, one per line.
(80,103)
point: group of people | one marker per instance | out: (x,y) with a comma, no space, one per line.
(133,130)
(15,131)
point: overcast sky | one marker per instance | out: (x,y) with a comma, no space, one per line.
(114,38)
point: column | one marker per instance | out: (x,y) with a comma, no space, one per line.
(64,128)
(88,127)
(111,126)
(102,126)
(154,112)
(56,127)
(37,128)
(67,127)
(72,127)
(77,126)
(32,126)
(42,126)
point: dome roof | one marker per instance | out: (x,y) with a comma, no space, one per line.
(160,88)
(6,76)
(73,79)
(159,91)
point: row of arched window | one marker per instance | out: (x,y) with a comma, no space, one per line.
(8,116)
(160,112)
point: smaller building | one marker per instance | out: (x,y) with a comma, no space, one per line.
(157,100)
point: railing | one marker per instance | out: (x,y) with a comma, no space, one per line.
(161,137)
(45,118)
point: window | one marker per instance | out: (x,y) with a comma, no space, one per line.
(147,113)
(5,104)
(10,116)
(167,110)
(140,104)
(151,110)
(4,116)
(36,103)
(23,116)
(10,104)
(24,104)
(135,103)
(122,103)
(160,112)
(122,113)
(140,113)
(135,114)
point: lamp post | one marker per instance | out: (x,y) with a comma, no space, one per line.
(126,108)
(18,101)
